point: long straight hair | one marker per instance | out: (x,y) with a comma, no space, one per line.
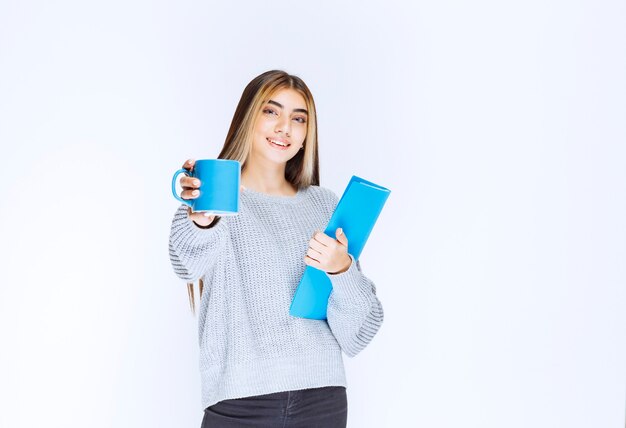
(303,169)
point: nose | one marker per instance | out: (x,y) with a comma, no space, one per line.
(284,124)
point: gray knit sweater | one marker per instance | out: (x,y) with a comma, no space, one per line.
(251,264)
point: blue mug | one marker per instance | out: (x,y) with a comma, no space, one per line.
(219,186)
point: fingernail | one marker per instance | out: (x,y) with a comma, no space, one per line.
(196,182)
(340,231)
(207,214)
(195,192)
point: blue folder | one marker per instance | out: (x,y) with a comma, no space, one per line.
(356,213)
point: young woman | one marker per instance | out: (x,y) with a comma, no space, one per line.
(259,365)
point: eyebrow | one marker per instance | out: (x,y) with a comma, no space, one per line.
(301,110)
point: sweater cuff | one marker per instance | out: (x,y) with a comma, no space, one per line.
(185,226)
(350,282)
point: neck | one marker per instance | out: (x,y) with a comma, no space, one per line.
(268,179)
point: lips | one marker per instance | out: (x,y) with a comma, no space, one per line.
(278,142)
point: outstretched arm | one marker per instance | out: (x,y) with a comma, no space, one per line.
(193,250)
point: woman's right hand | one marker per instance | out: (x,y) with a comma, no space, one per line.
(191,185)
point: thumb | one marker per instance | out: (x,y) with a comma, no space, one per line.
(341,237)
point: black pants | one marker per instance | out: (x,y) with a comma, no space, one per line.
(325,407)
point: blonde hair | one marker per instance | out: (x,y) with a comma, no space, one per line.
(303,169)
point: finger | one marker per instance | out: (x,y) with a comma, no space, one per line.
(317,246)
(341,237)
(201,218)
(189,194)
(314,254)
(321,237)
(190,183)
(189,164)
(311,262)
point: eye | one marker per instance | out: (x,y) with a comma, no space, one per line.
(301,119)
(269,110)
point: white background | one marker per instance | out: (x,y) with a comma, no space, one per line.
(499,258)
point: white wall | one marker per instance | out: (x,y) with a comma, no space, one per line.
(499,257)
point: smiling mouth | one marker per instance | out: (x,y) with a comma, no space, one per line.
(278,144)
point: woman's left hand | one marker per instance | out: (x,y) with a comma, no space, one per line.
(328,254)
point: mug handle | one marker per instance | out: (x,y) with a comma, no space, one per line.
(176,174)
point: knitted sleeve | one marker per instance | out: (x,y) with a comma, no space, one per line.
(194,250)
(354,313)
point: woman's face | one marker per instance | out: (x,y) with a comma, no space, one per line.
(283,119)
